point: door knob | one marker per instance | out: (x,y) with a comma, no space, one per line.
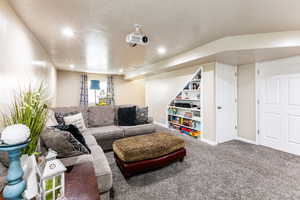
(219,107)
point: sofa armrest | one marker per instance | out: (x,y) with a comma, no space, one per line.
(75,160)
(150,120)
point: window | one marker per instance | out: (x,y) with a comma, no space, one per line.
(99,93)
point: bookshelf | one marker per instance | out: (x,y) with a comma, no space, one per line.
(184,111)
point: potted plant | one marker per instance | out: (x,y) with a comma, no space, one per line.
(29,108)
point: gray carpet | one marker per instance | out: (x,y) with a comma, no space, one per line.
(233,170)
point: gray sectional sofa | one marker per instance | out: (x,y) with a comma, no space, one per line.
(102,131)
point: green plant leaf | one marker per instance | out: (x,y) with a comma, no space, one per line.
(28,108)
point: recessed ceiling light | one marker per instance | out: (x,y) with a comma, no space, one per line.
(39,63)
(161,50)
(72,66)
(68,32)
(121,70)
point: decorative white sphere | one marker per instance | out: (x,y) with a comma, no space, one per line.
(15,134)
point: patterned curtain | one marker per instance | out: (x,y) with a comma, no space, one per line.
(110,90)
(84,98)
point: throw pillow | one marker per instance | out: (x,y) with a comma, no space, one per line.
(51,120)
(76,120)
(117,107)
(3,155)
(63,142)
(4,159)
(142,115)
(59,116)
(76,134)
(127,116)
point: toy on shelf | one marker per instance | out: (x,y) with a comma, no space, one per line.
(190,132)
(172,111)
(187,122)
(188,114)
(197,125)
(179,96)
(195,133)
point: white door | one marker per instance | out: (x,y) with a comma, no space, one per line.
(226,110)
(279,107)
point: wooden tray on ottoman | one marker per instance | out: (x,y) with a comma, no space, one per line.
(132,168)
(145,152)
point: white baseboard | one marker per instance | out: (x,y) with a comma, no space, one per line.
(160,124)
(246,140)
(209,142)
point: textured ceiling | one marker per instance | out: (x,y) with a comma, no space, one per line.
(179,25)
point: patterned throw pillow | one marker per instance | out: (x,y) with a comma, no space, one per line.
(142,115)
(63,142)
(3,155)
(59,116)
(76,120)
(4,158)
(77,145)
(3,173)
(76,134)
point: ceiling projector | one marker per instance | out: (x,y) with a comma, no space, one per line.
(137,37)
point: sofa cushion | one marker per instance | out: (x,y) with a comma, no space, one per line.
(101,116)
(105,132)
(63,142)
(105,135)
(3,173)
(138,129)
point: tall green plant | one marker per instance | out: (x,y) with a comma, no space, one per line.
(29,108)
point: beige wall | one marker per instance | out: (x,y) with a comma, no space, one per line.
(162,88)
(126,92)
(68,88)
(129,92)
(209,102)
(19,53)
(246,102)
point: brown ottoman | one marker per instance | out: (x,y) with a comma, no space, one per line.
(141,153)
